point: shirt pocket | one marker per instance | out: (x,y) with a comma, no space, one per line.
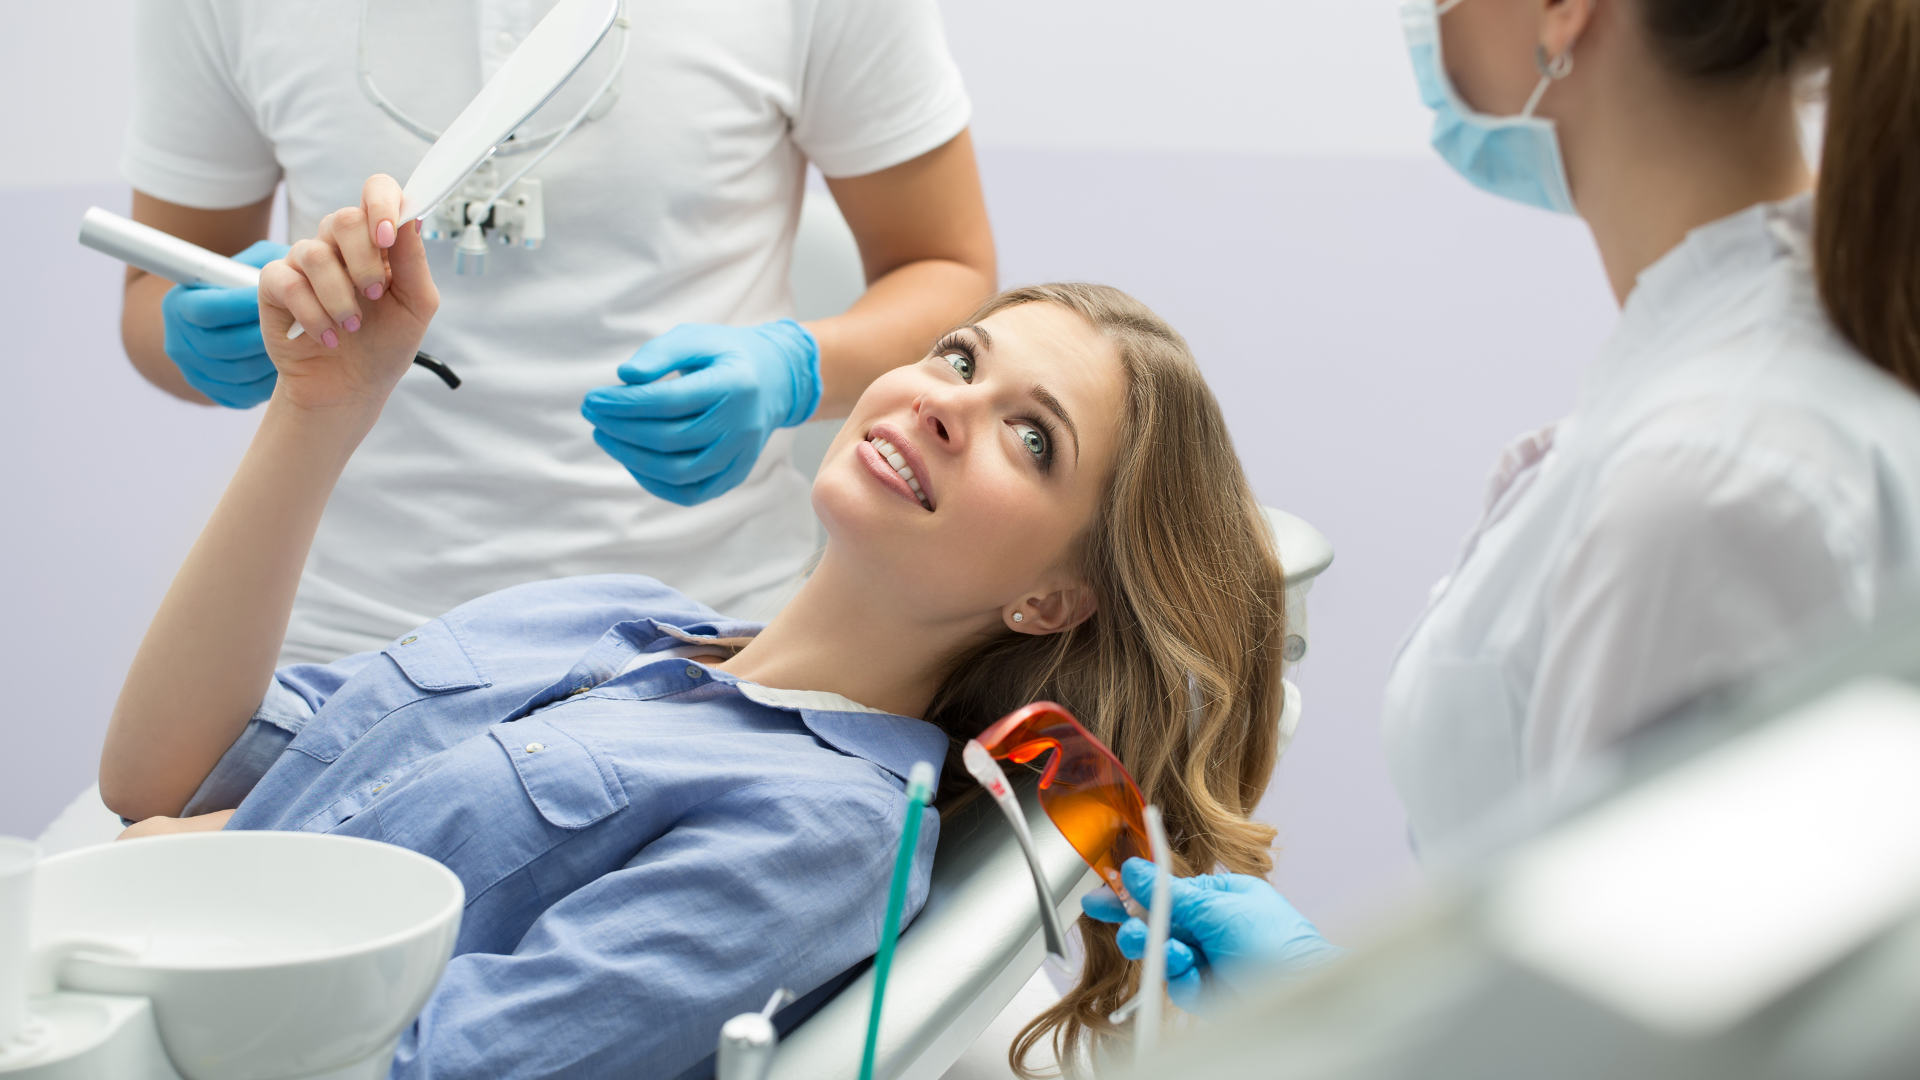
(424,663)
(567,783)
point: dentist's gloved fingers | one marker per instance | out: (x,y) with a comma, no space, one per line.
(237,372)
(1103,905)
(681,470)
(683,494)
(230,395)
(689,435)
(210,308)
(222,343)
(365,262)
(261,252)
(331,286)
(1189,894)
(1132,940)
(685,347)
(691,394)
(380,204)
(1187,991)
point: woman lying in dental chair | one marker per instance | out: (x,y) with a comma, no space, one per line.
(659,813)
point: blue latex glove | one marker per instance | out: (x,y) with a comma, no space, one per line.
(1226,932)
(689,439)
(213,336)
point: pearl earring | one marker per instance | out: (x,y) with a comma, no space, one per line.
(1017,617)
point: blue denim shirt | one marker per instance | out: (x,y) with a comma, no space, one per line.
(648,848)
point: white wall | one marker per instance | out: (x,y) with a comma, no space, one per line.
(1255,169)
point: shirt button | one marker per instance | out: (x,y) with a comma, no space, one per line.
(534,747)
(410,639)
(693,672)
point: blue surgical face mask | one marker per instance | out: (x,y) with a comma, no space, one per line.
(1513,156)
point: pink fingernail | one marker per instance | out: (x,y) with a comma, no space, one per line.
(383,234)
(416,226)
(375,290)
(332,339)
(351,324)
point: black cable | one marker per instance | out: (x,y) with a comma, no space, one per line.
(432,363)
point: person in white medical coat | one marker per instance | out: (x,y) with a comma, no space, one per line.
(1738,481)
(676,203)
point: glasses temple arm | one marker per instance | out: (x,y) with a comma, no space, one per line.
(987,771)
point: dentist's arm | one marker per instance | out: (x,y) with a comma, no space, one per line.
(209,654)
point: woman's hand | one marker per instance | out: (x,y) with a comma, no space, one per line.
(167,826)
(362,291)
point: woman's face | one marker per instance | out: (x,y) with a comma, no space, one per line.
(1007,429)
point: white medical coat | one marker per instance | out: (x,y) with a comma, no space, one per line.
(1735,485)
(680,205)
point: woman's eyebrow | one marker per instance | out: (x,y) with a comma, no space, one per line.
(1052,404)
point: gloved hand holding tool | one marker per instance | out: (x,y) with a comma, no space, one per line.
(213,336)
(697,436)
(1229,931)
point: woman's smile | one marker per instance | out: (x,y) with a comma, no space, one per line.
(892,457)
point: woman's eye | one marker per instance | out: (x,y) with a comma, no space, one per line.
(962,363)
(1034,440)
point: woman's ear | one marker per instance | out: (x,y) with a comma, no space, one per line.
(1562,22)
(1061,609)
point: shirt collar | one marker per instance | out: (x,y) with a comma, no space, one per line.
(1717,264)
(893,742)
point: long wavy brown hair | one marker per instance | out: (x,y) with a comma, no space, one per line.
(1178,670)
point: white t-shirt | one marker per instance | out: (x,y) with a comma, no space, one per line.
(1735,485)
(679,205)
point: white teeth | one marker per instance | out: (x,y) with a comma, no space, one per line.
(899,463)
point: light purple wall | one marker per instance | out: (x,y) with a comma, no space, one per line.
(1375,330)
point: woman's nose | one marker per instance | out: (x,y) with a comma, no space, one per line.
(945,418)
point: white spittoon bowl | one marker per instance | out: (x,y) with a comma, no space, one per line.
(267,955)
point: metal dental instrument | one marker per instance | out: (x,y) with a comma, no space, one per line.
(170,257)
(1153,978)
(747,1041)
(986,770)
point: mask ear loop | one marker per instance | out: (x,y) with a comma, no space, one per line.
(986,770)
(1552,70)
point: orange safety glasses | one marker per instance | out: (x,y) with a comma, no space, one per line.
(1084,790)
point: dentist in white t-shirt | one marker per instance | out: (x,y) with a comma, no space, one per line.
(677,205)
